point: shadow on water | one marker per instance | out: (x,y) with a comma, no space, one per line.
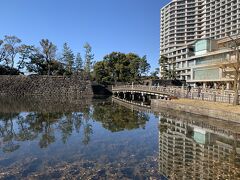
(109,139)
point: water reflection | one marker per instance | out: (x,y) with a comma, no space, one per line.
(195,149)
(29,126)
(118,118)
(44,139)
(101,139)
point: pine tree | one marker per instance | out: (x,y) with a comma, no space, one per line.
(78,63)
(88,58)
(68,58)
(164,64)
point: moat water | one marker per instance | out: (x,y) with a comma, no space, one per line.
(110,139)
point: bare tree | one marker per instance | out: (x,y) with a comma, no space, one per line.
(11,48)
(2,51)
(48,52)
(233,64)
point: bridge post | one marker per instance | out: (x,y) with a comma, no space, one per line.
(132,96)
(144,98)
(124,95)
(182,91)
(149,96)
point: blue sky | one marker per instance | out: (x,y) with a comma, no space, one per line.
(108,25)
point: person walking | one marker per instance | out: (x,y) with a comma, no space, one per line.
(188,90)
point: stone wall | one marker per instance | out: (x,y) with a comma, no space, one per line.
(214,113)
(44,85)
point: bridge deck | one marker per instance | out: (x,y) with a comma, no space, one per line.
(154,90)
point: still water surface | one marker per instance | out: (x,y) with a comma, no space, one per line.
(109,139)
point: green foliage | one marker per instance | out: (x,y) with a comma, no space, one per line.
(43,126)
(42,60)
(163,62)
(89,56)
(117,118)
(39,66)
(5,70)
(78,63)
(68,58)
(25,52)
(120,67)
(48,53)
(168,69)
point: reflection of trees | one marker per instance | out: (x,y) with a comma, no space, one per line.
(43,126)
(162,126)
(117,118)
(7,133)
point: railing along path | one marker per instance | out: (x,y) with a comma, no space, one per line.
(215,95)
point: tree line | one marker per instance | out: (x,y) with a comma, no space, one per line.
(17,58)
(120,67)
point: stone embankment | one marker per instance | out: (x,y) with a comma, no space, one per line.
(43,104)
(210,109)
(44,86)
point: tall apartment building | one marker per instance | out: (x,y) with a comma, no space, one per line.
(184,22)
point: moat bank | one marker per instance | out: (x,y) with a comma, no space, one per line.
(45,85)
(210,109)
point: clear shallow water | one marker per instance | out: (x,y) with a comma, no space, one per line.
(101,139)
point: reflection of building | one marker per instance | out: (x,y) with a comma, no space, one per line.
(1,142)
(187,151)
(183,23)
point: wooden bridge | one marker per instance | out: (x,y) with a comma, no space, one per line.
(158,92)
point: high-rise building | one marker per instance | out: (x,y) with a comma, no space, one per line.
(184,22)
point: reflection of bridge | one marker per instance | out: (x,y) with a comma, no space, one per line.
(216,126)
(133,105)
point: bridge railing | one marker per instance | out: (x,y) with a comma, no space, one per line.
(158,89)
(181,92)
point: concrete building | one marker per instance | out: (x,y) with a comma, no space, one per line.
(185,22)
(206,66)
